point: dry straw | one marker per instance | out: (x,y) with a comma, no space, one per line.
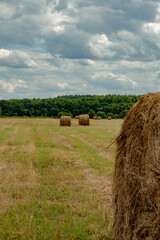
(65,121)
(84,119)
(76,117)
(109,117)
(96,118)
(136,186)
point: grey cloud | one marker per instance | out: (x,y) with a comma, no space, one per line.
(91,20)
(108,18)
(115,15)
(23,27)
(61,5)
(24,7)
(58,46)
(156,81)
(86,62)
(71,44)
(18,32)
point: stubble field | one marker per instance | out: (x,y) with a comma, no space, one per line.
(55,182)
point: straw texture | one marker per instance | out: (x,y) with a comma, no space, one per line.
(136,187)
(96,118)
(84,119)
(65,121)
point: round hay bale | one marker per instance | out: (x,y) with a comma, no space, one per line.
(95,117)
(136,185)
(65,121)
(84,119)
(109,117)
(98,118)
(76,117)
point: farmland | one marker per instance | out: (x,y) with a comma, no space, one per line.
(55,182)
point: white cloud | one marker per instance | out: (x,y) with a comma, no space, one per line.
(100,75)
(126,35)
(59,28)
(62,85)
(84,85)
(4,53)
(16,58)
(152,28)
(11,86)
(109,78)
(58,21)
(126,82)
(100,46)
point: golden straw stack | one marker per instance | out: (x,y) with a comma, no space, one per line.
(65,121)
(136,186)
(84,119)
(98,118)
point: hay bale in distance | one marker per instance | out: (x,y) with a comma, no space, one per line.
(96,118)
(76,117)
(84,119)
(136,185)
(109,117)
(65,121)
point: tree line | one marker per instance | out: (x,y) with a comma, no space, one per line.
(115,106)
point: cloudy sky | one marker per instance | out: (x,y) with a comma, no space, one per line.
(57,47)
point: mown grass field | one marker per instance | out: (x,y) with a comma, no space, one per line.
(55,182)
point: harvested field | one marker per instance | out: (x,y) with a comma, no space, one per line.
(55,183)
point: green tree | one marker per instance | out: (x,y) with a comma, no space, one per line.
(65,114)
(91,113)
(123,113)
(73,105)
(101,114)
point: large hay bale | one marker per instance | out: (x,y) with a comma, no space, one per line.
(76,117)
(65,121)
(109,117)
(136,186)
(84,119)
(99,118)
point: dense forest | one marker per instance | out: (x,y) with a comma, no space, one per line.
(115,106)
